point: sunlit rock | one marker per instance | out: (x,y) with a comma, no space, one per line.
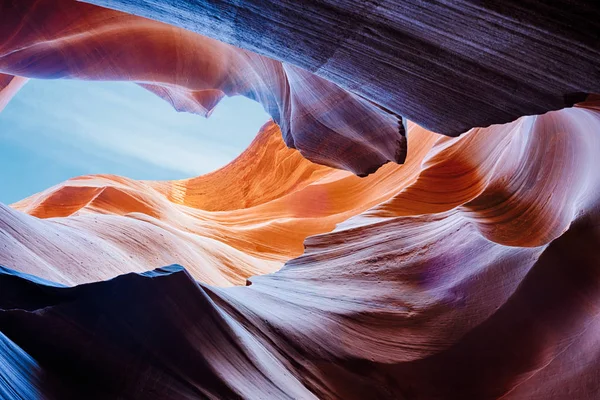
(469,272)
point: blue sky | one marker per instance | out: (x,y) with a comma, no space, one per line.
(56,129)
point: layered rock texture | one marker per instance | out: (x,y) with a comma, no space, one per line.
(469,272)
(447,65)
(68,39)
(245,219)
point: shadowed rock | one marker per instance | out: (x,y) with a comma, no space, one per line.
(447,65)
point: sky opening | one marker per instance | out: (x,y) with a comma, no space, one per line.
(53,130)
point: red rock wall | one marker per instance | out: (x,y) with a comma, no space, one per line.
(68,39)
(469,272)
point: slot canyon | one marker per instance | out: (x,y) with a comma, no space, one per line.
(418,219)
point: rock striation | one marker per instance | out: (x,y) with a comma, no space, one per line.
(96,227)
(446,65)
(68,39)
(476,279)
(469,272)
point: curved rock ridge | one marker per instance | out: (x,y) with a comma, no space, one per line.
(447,65)
(68,39)
(242,220)
(476,278)
(469,272)
(179,363)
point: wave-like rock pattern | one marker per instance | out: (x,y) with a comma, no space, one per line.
(96,227)
(470,272)
(486,288)
(447,65)
(68,39)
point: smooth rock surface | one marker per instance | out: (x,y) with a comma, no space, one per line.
(469,272)
(477,279)
(245,219)
(447,65)
(66,39)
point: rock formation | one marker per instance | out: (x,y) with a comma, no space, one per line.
(447,65)
(68,39)
(242,220)
(469,272)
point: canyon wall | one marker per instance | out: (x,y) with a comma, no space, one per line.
(67,39)
(468,272)
(446,65)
